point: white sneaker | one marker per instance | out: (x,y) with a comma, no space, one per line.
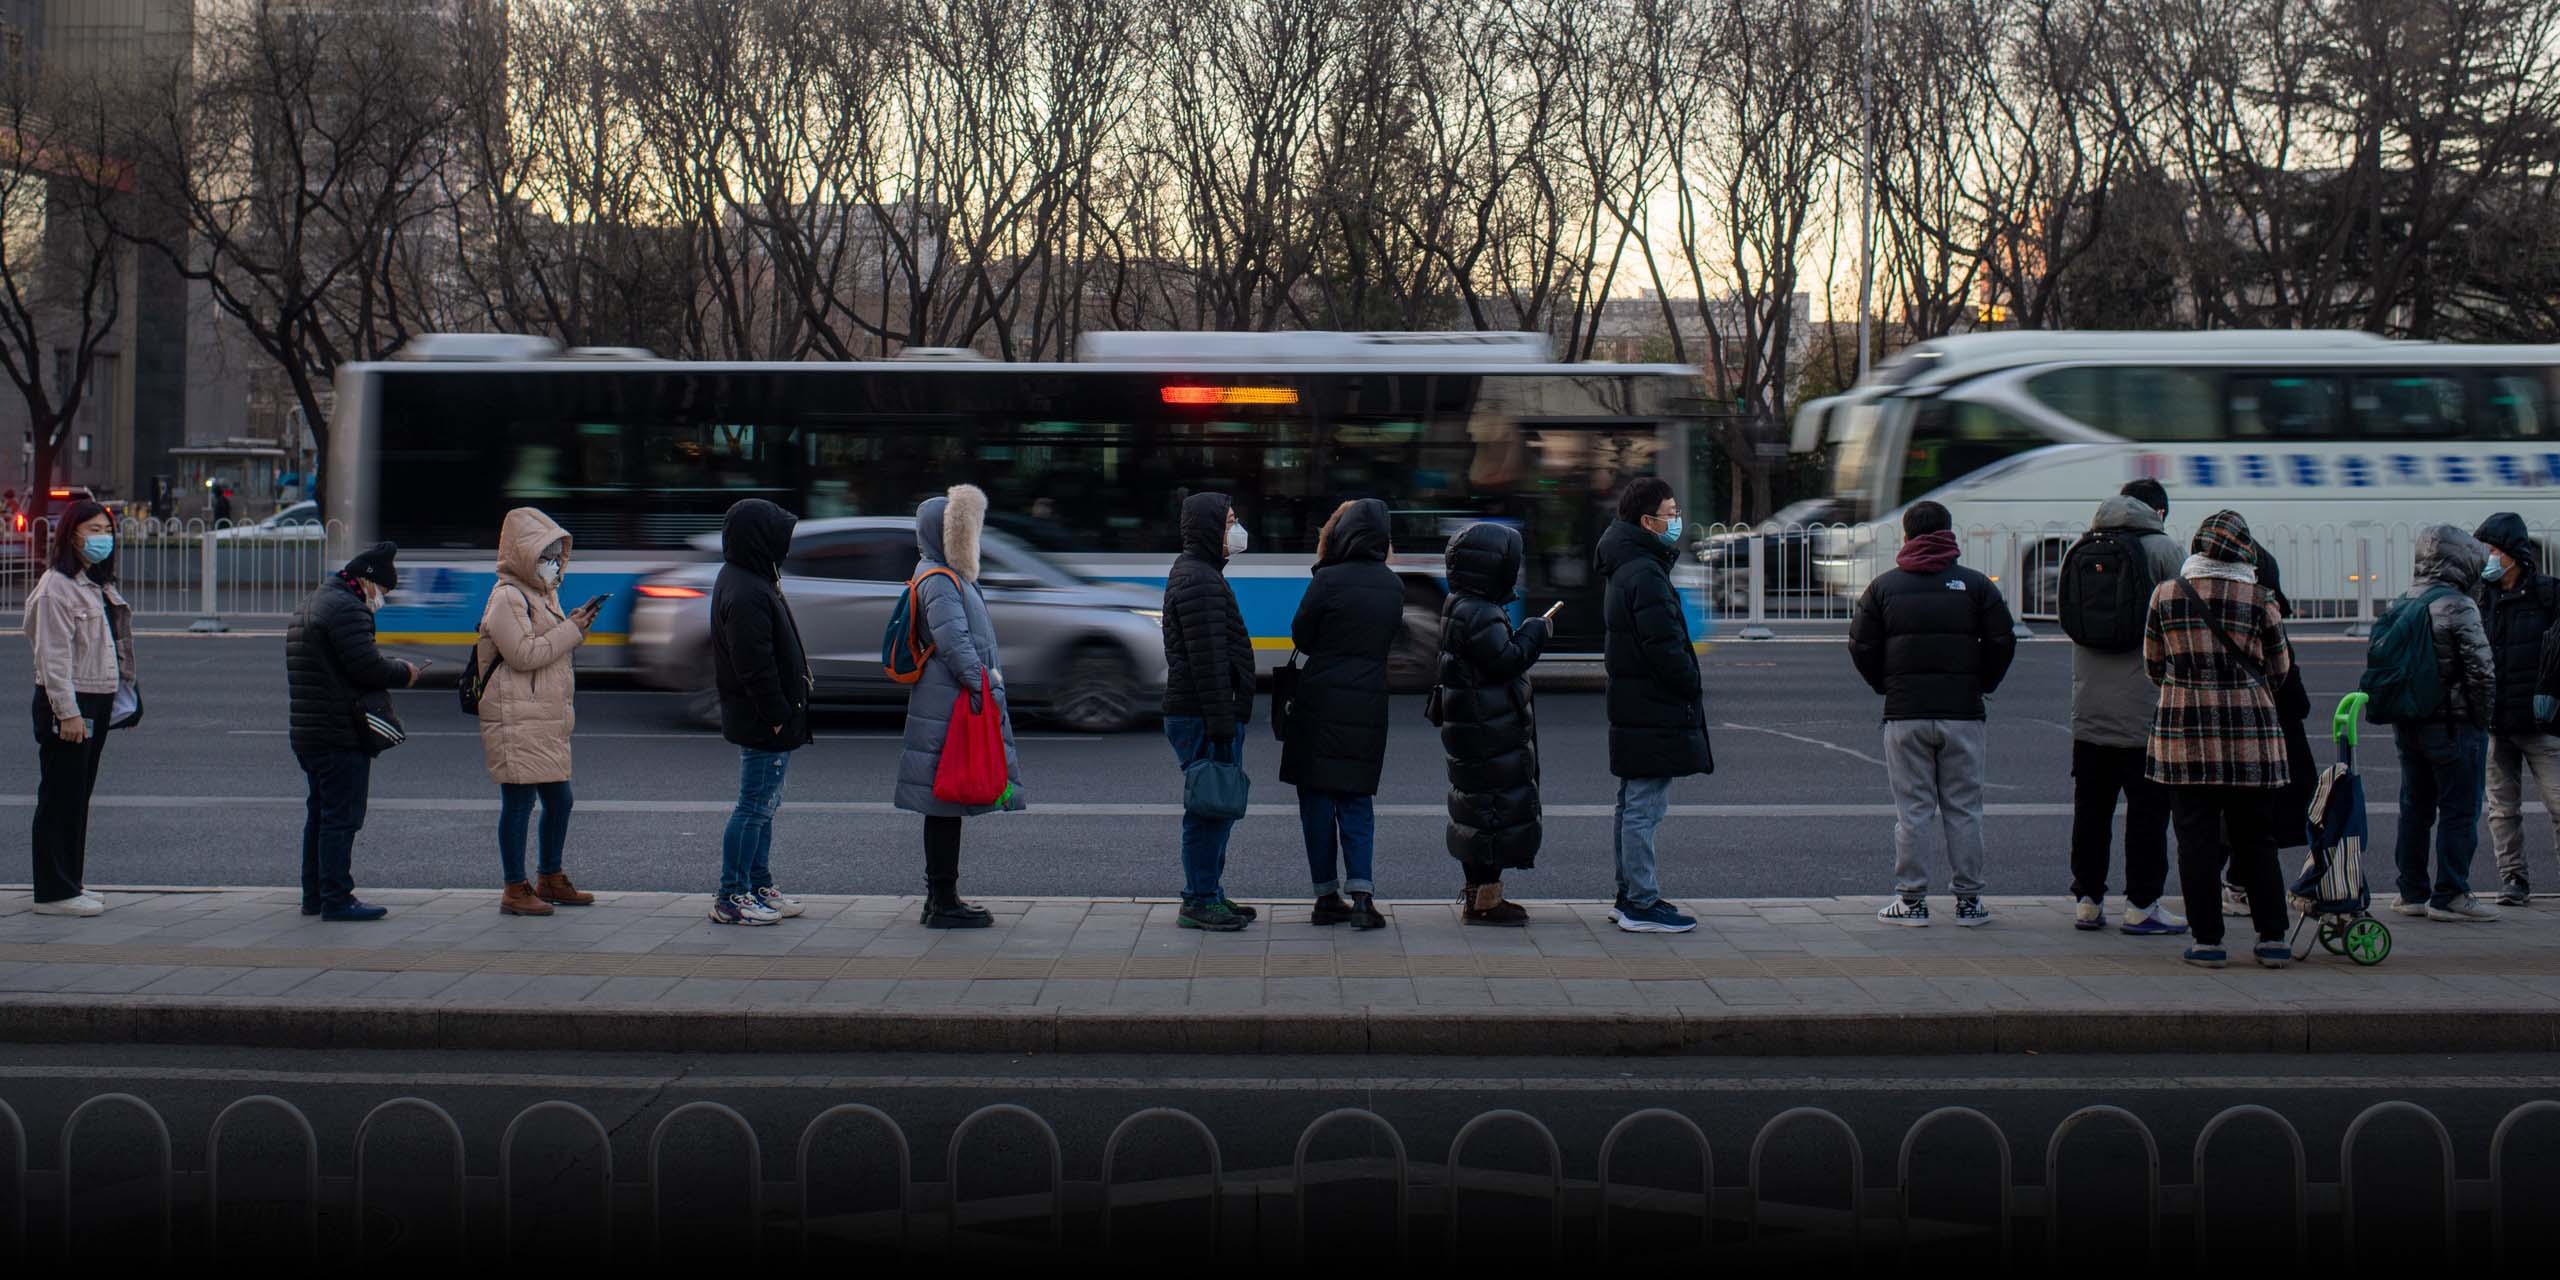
(2468,908)
(2235,901)
(780,903)
(2089,915)
(2402,906)
(742,908)
(76,905)
(2156,920)
(1910,913)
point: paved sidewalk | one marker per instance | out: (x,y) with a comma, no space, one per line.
(646,970)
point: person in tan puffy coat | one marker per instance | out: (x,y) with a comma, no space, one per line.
(528,705)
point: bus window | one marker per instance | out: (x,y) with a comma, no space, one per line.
(2514,405)
(2163,405)
(2284,407)
(1953,439)
(2408,406)
(2080,394)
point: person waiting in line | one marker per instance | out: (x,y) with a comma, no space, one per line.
(2112,702)
(2444,752)
(528,693)
(332,667)
(2215,644)
(1935,639)
(1656,707)
(1488,720)
(80,632)
(1334,744)
(965,663)
(762,671)
(2520,613)
(1208,693)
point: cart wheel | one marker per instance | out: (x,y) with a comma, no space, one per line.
(2333,937)
(2368,941)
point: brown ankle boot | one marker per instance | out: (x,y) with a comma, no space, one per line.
(519,900)
(554,887)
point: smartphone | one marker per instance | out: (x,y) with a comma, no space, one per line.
(596,602)
(1550,614)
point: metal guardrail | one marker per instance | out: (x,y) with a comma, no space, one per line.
(209,570)
(1272,1206)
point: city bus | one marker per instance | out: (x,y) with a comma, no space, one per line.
(2337,447)
(1086,462)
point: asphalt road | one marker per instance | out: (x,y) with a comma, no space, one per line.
(206,792)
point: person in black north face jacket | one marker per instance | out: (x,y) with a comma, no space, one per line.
(1488,720)
(2519,608)
(1335,741)
(332,668)
(1208,694)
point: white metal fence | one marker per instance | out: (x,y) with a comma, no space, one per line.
(200,569)
(1756,575)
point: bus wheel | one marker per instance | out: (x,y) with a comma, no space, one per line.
(2040,580)
(1413,665)
(1098,693)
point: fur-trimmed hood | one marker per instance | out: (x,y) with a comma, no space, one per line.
(948,527)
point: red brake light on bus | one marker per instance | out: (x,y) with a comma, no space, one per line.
(655,591)
(1230,395)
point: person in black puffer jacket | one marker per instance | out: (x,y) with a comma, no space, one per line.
(762,671)
(332,667)
(1488,722)
(1208,692)
(1657,719)
(2519,609)
(1335,741)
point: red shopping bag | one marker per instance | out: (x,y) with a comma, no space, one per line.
(972,771)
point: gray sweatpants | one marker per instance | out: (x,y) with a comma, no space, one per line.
(2512,757)
(1936,768)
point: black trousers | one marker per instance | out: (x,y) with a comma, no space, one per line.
(2098,776)
(68,773)
(2227,826)
(340,782)
(941,852)
(1481,873)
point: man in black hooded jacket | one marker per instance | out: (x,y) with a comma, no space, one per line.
(763,675)
(1208,693)
(2519,607)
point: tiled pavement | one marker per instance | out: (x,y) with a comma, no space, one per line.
(209,955)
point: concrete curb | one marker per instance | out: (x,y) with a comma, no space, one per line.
(29,1018)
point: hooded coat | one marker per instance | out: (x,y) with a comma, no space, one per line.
(2112,698)
(2217,724)
(2518,620)
(2448,557)
(1932,636)
(1208,654)
(964,652)
(1346,622)
(528,705)
(1488,723)
(761,667)
(1657,713)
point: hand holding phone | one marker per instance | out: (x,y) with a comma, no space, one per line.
(1550,614)
(596,603)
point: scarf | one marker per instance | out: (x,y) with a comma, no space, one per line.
(2204,566)
(1931,552)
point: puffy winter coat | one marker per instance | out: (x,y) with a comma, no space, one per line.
(329,662)
(2517,620)
(757,659)
(2448,557)
(2112,698)
(528,708)
(1657,713)
(1346,622)
(1489,724)
(1208,655)
(1932,643)
(964,652)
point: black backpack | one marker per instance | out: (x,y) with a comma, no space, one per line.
(2106,590)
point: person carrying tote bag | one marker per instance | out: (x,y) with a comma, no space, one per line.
(965,672)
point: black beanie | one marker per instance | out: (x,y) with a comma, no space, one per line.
(373,564)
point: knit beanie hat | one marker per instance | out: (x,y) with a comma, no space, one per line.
(373,564)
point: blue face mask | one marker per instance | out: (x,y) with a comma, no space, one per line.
(2494,569)
(1671,532)
(98,546)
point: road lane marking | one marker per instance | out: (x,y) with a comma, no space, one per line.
(872,808)
(1833,746)
(669,736)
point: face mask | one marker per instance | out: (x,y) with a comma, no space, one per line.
(98,546)
(1235,539)
(374,597)
(1671,532)
(2496,568)
(549,571)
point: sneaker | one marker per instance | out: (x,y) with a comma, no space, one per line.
(1912,913)
(2153,921)
(2089,916)
(354,912)
(2235,900)
(1661,917)
(783,905)
(2207,957)
(1250,915)
(2403,906)
(742,908)
(1971,914)
(2273,955)
(1212,916)
(78,904)
(2468,909)
(2515,893)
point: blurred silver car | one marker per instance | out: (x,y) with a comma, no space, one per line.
(1087,655)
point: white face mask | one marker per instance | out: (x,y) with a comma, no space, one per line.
(549,571)
(1235,539)
(375,598)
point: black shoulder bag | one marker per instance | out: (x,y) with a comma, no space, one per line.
(2204,609)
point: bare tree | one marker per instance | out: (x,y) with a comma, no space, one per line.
(59,258)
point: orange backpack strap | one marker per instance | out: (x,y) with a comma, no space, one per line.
(915,603)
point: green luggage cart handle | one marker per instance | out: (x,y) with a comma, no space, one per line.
(2342,726)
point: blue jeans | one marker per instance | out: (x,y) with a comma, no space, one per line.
(748,843)
(515,811)
(1335,819)
(1642,802)
(2441,773)
(1204,840)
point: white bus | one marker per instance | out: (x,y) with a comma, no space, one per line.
(2337,447)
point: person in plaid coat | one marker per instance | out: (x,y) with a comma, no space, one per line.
(2214,642)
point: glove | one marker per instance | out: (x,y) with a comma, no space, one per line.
(2546,708)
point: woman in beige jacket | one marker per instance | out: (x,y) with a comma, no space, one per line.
(81,634)
(527,705)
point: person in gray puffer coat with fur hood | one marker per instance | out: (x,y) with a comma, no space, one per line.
(964,651)
(2444,757)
